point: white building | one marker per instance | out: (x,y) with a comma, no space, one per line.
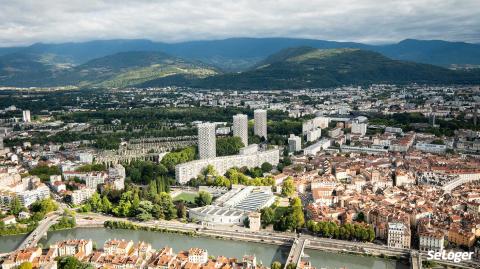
(85,157)
(116,176)
(92,179)
(72,247)
(317,147)
(294,143)
(250,149)
(186,171)
(260,127)
(254,221)
(26,116)
(197,255)
(398,235)
(234,206)
(81,196)
(393,130)
(28,197)
(359,128)
(335,132)
(317,122)
(314,135)
(431,240)
(403,177)
(432,148)
(240,127)
(207,146)
(372,151)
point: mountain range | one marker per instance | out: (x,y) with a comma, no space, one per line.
(236,62)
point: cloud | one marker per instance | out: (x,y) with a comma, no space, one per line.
(371,21)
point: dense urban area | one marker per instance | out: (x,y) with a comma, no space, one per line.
(384,171)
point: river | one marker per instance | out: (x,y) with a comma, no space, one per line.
(265,253)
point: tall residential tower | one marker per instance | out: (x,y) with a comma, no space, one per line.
(206,140)
(240,127)
(26,116)
(260,127)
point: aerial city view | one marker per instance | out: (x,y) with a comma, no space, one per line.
(239,134)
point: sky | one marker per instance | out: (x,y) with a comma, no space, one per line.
(24,22)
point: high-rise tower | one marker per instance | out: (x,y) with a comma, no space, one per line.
(26,116)
(206,140)
(240,127)
(260,127)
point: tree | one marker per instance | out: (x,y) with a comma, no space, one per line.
(96,202)
(70,262)
(143,211)
(276,265)
(288,187)
(152,189)
(295,201)
(44,206)
(166,206)
(291,266)
(360,217)
(15,206)
(181,210)
(246,222)
(25,265)
(106,205)
(267,216)
(255,172)
(204,198)
(174,158)
(266,167)
(135,201)
(298,217)
(229,145)
(44,171)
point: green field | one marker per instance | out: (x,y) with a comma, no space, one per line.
(186,196)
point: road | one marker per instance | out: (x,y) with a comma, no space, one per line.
(35,236)
(296,251)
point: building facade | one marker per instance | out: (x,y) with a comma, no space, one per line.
(240,127)
(260,127)
(186,171)
(294,143)
(398,235)
(207,141)
(26,116)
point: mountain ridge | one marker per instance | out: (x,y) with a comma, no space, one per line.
(305,67)
(242,53)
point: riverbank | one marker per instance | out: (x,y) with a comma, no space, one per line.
(241,234)
(266,253)
(223,236)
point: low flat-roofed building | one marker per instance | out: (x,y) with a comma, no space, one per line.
(234,206)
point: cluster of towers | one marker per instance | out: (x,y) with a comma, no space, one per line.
(206,132)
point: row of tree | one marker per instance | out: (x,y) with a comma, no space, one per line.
(349,231)
(233,176)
